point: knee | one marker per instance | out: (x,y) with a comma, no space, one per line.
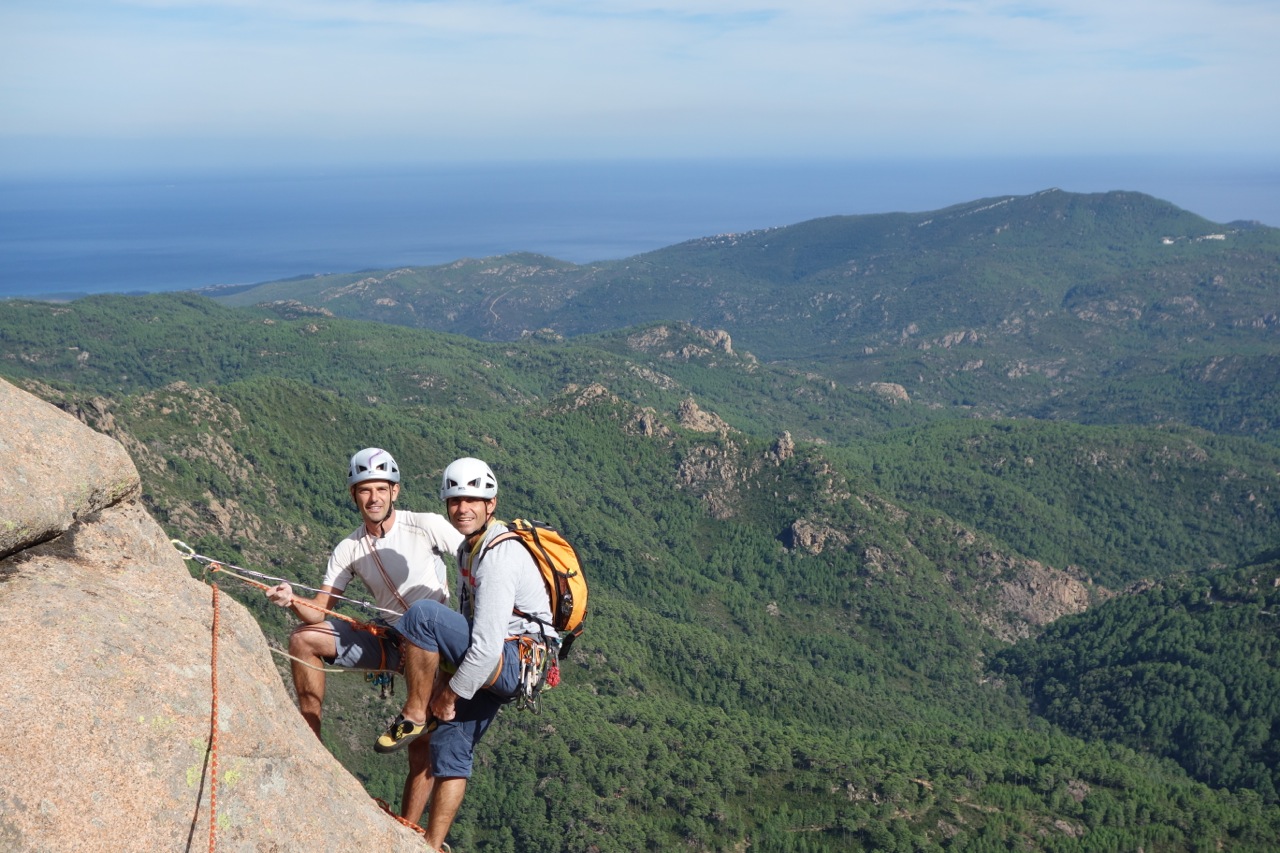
(297,640)
(418,624)
(309,639)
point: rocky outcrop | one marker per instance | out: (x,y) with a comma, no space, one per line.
(683,342)
(891,391)
(577,397)
(53,475)
(1027,595)
(813,537)
(107,696)
(1032,595)
(783,449)
(692,417)
(645,422)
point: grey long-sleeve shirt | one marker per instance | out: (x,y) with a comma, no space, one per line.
(502,580)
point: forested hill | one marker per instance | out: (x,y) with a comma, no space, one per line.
(1106,308)
(801,588)
(1186,669)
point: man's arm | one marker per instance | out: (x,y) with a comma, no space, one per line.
(495,597)
(282,596)
(445,537)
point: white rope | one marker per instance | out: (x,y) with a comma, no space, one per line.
(188,553)
(337,670)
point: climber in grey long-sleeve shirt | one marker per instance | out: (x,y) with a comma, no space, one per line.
(506,580)
(483,641)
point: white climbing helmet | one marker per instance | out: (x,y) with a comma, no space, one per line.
(468,478)
(372,463)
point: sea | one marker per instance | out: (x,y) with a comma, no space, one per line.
(143,232)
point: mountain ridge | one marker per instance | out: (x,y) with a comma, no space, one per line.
(818,248)
(1048,305)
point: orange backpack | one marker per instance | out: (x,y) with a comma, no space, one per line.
(561,570)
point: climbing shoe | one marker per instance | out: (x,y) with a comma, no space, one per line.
(401,733)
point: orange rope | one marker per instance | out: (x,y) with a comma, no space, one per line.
(386,807)
(213,735)
(376,630)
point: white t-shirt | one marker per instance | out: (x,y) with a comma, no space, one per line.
(400,568)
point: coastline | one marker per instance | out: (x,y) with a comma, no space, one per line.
(142,233)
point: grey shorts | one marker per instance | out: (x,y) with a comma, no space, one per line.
(359,649)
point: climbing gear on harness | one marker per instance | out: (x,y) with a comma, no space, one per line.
(401,733)
(383,679)
(539,669)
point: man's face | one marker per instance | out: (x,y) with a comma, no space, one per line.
(468,515)
(373,499)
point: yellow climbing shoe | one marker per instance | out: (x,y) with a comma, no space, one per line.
(401,733)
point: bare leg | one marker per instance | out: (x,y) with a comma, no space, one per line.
(444,808)
(420,667)
(310,644)
(419,783)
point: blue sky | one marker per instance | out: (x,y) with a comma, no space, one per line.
(88,83)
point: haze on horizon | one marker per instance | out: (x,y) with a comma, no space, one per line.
(91,85)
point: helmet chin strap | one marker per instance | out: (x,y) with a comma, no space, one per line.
(382,525)
(479,533)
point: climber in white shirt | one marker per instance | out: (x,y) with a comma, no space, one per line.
(398,556)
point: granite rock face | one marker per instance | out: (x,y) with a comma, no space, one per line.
(107,695)
(53,470)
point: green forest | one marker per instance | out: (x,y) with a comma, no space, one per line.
(822,617)
(1186,670)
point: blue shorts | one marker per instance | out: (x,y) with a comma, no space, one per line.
(433,626)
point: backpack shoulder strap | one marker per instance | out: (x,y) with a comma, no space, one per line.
(498,540)
(507,537)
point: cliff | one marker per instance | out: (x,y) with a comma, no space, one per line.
(107,696)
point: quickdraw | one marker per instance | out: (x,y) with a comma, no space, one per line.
(539,670)
(383,679)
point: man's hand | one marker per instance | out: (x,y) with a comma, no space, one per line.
(281,596)
(442,704)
